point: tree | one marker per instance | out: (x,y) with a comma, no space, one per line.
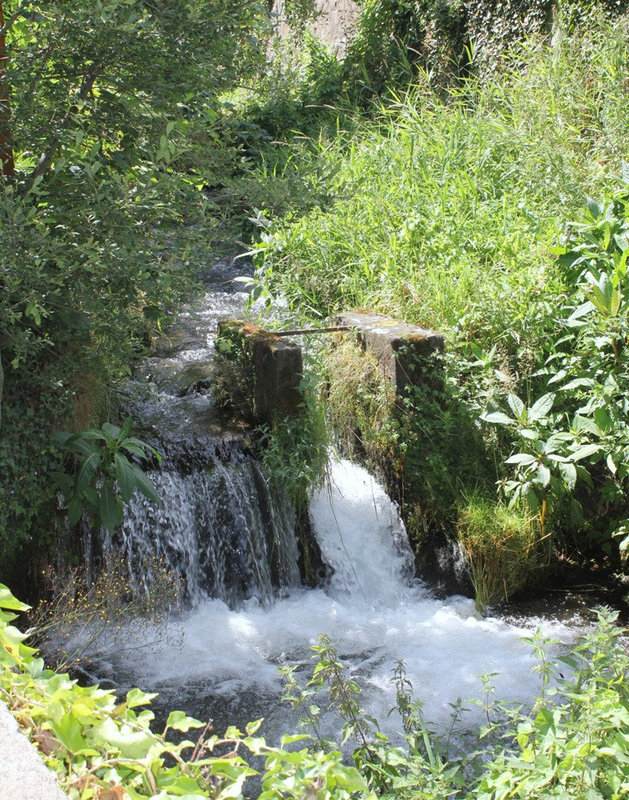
(113,131)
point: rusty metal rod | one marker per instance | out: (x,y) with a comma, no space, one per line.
(306,331)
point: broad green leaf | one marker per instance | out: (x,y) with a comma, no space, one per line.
(145,485)
(130,743)
(8,600)
(181,722)
(542,406)
(568,473)
(585,451)
(603,420)
(497,418)
(521,458)
(517,406)
(136,697)
(76,508)
(88,471)
(543,475)
(110,430)
(69,731)
(125,477)
(578,383)
(110,507)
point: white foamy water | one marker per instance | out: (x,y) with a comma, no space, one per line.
(224,663)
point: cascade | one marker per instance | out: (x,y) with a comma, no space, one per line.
(219,531)
(233,547)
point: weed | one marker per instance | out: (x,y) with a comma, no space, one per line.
(504,548)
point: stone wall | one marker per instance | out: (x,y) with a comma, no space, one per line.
(334,25)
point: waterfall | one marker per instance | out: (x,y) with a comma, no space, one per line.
(233,546)
(219,530)
(222,662)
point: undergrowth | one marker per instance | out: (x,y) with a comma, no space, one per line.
(447,213)
(571,743)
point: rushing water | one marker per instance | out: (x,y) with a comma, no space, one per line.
(232,546)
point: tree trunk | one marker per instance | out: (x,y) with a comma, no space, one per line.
(7,166)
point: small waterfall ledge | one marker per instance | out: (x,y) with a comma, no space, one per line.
(233,547)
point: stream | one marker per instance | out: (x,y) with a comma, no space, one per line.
(232,547)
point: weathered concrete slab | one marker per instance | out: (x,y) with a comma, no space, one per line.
(277,366)
(23,774)
(401,348)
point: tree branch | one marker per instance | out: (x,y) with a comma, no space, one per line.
(46,158)
(9,23)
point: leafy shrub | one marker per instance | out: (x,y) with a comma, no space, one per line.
(572,445)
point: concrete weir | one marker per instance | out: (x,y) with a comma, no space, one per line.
(276,364)
(401,348)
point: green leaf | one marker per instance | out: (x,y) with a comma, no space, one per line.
(125,477)
(136,697)
(179,721)
(88,470)
(130,743)
(521,458)
(75,509)
(542,406)
(110,508)
(112,431)
(585,451)
(145,485)
(543,475)
(603,420)
(568,473)
(517,406)
(69,731)
(497,418)
(8,600)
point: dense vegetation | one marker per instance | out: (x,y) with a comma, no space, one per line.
(571,744)
(442,172)
(111,134)
(468,210)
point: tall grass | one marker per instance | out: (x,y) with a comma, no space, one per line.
(445,209)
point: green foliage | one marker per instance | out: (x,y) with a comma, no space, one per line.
(571,743)
(115,129)
(294,449)
(361,402)
(100,746)
(572,444)
(104,478)
(446,214)
(503,548)
(232,371)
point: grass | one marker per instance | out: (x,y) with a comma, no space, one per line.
(504,548)
(445,210)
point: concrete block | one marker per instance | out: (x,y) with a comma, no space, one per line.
(401,348)
(275,364)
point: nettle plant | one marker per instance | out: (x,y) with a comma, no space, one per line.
(571,446)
